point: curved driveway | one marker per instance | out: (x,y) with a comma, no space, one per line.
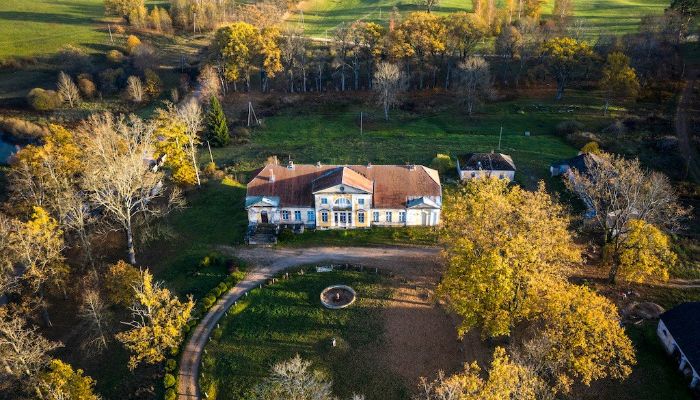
(268,262)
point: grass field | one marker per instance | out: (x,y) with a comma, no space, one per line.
(279,321)
(599,16)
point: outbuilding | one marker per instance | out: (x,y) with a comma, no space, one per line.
(485,165)
(679,331)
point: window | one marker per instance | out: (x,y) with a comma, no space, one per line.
(361,202)
(285,215)
(361,217)
(324,200)
(324,216)
(388,216)
(375,216)
(310,216)
(402,216)
(343,218)
(342,202)
(297,215)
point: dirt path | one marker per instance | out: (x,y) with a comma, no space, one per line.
(420,337)
(683,112)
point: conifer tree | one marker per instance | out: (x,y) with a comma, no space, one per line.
(217,128)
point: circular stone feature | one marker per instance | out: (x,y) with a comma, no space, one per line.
(337,296)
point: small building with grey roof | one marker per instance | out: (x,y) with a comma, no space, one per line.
(485,165)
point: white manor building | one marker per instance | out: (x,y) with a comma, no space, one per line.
(344,196)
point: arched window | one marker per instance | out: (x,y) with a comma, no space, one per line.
(342,202)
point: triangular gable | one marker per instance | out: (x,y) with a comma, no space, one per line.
(422,202)
(262,201)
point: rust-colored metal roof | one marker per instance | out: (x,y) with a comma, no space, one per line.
(392,185)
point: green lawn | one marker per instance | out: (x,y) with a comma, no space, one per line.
(361,237)
(330,133)
(279,321)
(599,16)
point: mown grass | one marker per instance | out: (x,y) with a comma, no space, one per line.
(287,318)
(361,237)
(598,16)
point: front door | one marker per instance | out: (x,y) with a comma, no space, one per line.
(342,219)
(263,217)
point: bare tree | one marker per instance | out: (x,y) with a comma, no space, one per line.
(23,351)
(95,315)
(292,50)
(122,179)
(134,89)
(388,83)
(619,190)
(8,276)
(294,379)
(209,83)
(67,89)
(191,115)
(475,81)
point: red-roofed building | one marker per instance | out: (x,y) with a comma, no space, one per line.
(344,196)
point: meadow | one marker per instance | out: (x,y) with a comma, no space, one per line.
(319,17)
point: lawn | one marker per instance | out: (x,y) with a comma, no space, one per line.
(361,237)
(287,318)
(599,16)
(329,132)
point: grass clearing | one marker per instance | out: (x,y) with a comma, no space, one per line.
(279,321)
(361,237)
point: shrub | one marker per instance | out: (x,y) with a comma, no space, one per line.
(242,134)
(170,365)
(170,394)
(442,163)
(153,83)
(21,130)
(217,333)
(168,381)
(71,58)
(42,100)
(568,127)
(111,79)
(591,147)
(132,42)
(115,56)
(208,301)
(580,139)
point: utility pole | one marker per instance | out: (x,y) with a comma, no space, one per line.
(499,138)
(251,114)
(194,22)
(111,39)
(211,157)
(361,130)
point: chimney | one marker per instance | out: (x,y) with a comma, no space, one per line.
(478,165)
(290,165)
(272,175)
(410,166)
(318,164)
(369,165)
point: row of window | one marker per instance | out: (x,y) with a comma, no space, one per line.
(342,201)
(344,217)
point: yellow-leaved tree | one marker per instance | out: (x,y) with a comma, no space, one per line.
(646,254)
(500,240)
(158,321)
(565,58)
(119,283)
(173,142)
(62,382)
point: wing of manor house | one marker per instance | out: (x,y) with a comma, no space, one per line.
(344,196)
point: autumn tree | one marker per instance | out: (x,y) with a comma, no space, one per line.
(67,89)
(119,282)
(619,191)
(474,81)
(619,80)
(564,58)
(62,382)
(191,115)
(646,253)
(429,4)
(216,126)
(463,32)
(23,351)
(9,278)
(388,83)
(122,8)
(292,48)
(158,320)
(125,186)
(367,42)
(134,89)
(563,10)
(172,145)
(294,379)
(209,83)
(500,241)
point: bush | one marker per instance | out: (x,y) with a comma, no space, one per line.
(21,130)
(87,86)
(568,127)
(170,394)
(115,56)
(71,58)
(111,79)
(42,100)
(168,381)
(208,301)
(242,134)
(170,365)
(153,84)
(591,147)
(132,42)
(217,333)
(580,139)
(442,163)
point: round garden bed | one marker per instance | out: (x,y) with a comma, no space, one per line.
(337,296)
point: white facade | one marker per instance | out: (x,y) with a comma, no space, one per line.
(673,349)
(466,175)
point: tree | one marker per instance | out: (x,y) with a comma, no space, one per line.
(506,379)
(500,242)
(68,90)
(95,315)
(134,89)
(563,10)
(463,32)
(530,8)
(429,4)
(474,81)
(23,351)
(119,283)
(122,8)
(564,57)
(158,320)
(132,43)
(217,127)
(591,148)
(209,83)
(9,279)
(62,382)
(190,113)
(580,338)
(121,182)
(619,191)
(388,83)
(646,254)
(172,145)
(294,379)
(619,80)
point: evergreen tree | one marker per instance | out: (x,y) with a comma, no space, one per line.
(217,128)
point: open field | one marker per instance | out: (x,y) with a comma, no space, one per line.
(598,16)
